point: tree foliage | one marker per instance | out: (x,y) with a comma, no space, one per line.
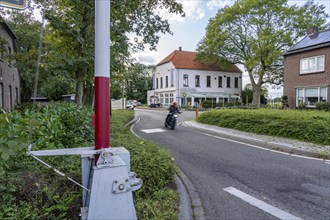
(255,34)
(71,38)
(134,82)
(27,29)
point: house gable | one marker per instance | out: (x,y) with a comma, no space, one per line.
(187,60)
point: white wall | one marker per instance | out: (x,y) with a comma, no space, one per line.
(214,81)
(165,70)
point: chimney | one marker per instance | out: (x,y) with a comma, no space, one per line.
(180,48)
(312,32)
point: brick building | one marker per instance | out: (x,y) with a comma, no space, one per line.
(9,77)
(307,70)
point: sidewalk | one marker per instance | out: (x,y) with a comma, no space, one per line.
(273,143)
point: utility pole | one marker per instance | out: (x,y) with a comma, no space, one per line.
(102,74)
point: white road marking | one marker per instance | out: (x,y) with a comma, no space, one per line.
(154,130)
(262,148)
(260,204)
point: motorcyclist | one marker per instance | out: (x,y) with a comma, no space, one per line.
(173,109)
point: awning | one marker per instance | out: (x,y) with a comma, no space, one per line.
(210,95)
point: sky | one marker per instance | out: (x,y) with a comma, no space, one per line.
(189,30)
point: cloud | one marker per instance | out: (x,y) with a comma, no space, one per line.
(145,58)
(193,10)
(217,4)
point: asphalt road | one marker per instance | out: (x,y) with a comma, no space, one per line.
(238,181)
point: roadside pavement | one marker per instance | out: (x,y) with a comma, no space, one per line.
(289,146)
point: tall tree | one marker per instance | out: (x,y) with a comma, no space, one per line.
(255,34)
(72,23)
(27,29)
(138,79)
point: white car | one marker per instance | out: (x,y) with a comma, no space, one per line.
(129,106)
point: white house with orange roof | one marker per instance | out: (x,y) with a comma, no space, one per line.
(180,77)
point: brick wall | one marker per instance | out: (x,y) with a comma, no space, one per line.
(292,78)
(9,77)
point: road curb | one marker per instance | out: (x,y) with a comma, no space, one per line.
(133,121)
(196,203)
(258,142)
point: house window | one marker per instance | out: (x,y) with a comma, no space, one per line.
(166,81)
(311,95)
(172,77)
(10,98)
(166,99)
(9,56)
(208,81)
(16,94)
(185,80)
(1,95)
(197,81)
(236,82)
(228,82)
(156,83)
(312,64)
(220,81)
(161,82)
(171,97)
(161,99)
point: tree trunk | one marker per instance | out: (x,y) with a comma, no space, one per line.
(88,94)
(256,87)
(256,96)
(80,89)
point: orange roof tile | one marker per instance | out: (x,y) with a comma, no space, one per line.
(187,60)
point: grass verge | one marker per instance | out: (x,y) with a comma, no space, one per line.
(309,126)
(32,191)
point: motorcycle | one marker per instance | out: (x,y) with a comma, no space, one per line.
(171,121)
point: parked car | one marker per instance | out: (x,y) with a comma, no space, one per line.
(129,106)
(133,102)
(155,105)
(138,103)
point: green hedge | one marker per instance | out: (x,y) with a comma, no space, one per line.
(310,126)
(32,191)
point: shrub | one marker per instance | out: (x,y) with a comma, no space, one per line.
(322,106)
(32,191)
(311,126)
(208,104)
(302,105)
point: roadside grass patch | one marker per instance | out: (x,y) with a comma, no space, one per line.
(309,126)
(29,190)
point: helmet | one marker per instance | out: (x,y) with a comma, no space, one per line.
(174,103)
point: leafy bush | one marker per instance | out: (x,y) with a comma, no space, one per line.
(311,126)
(302,105)
(208,104)
(322,106)
(32,191)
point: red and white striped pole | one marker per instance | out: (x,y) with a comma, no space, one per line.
(102,74)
